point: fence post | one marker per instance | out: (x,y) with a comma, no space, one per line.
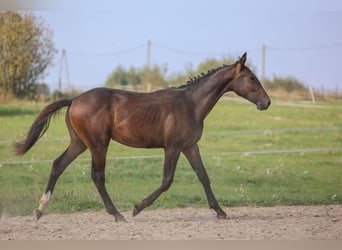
(312,95)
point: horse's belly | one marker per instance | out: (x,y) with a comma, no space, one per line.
(138,140)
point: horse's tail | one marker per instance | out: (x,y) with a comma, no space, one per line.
(39,126)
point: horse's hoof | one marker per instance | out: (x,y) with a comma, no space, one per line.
(119,218)
(222,216)
(135,210)
(38,213)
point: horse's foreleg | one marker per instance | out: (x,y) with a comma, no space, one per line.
(170,162)
(59,165)
(194,157)
(98,176)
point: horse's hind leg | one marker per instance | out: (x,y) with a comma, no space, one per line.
(76,147)
(98,176)
(58,167)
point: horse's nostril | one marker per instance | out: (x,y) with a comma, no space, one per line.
(268,103)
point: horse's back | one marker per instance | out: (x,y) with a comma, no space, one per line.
(144,120)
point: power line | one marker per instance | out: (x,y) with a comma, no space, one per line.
(315,47)
(182,52)
(307,48)
(112,53)
(196,53)
(199,53)
(262,48)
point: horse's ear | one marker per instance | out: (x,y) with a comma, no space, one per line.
(243,58)
(241,62)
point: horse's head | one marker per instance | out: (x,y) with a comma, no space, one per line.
(247,85)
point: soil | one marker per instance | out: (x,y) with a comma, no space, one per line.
(282,222)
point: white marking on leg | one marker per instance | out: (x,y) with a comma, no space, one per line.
(44,201)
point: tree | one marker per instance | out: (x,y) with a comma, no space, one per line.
(26,50)
(154,75)
(122,77)
(117,77)
(133,76)
(288,83)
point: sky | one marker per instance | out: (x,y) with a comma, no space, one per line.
(302,38)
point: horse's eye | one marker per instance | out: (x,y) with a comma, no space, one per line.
(252,78)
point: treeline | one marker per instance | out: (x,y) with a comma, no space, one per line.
(289,84)
(158,77)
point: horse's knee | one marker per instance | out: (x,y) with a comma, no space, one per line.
(97,178)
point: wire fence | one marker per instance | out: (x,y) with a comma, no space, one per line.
(222,133)
(218,154)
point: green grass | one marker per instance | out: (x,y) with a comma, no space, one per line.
(237,179)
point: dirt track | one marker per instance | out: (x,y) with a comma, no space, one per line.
(294,222)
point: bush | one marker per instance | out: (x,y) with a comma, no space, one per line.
(289,84)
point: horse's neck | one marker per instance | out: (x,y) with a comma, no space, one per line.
(207,94)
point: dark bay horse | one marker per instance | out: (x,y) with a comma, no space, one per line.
(171,118)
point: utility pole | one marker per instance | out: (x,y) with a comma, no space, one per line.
(65,60)
(148,53)
(263,62)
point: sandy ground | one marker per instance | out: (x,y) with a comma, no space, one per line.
(283,222)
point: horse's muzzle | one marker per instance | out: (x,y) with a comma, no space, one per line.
(263,105)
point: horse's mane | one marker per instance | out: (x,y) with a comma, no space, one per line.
(198,78)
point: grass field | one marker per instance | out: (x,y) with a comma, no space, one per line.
(281,156)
